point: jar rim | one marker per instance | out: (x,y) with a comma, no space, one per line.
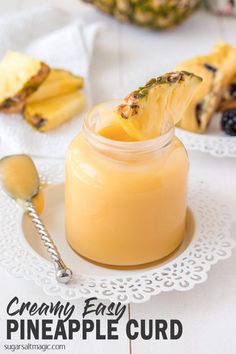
(128,146)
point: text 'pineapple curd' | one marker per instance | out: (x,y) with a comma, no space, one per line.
(125,199)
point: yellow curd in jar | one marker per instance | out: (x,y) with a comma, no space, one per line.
(125,200)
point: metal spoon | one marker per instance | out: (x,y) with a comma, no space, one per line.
(21,182)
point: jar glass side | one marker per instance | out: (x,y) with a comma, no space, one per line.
(125,211)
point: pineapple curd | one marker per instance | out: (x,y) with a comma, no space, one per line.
(126,176)
(125,200)
(20,179)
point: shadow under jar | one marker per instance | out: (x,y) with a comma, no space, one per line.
(125,202)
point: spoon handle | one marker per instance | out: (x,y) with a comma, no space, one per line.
(63,273)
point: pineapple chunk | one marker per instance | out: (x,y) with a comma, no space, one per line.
(58,82)
(229,97)
(155,108)
(228,104)
(48,114)
(20,75)
(217,70)
(225,105)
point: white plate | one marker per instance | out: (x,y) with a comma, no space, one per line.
(22,253)
(213,141)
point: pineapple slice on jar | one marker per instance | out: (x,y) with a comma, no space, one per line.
(156,107)
(48,114)
(108,125)
(20,76)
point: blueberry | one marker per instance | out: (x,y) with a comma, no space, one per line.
(228,122)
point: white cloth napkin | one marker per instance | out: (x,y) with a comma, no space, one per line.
(62,41)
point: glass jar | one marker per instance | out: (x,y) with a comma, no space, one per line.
(125,201)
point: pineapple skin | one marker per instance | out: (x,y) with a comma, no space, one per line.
(15,102)
(154,14)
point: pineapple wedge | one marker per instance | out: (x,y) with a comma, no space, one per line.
(151,110)
(217,70)
(58,82)
(20,75)
(229,97)
(225,105)
(48,114)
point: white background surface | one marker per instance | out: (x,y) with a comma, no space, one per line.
(125,57)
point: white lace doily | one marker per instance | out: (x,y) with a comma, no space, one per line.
(211,243)
(218,146)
